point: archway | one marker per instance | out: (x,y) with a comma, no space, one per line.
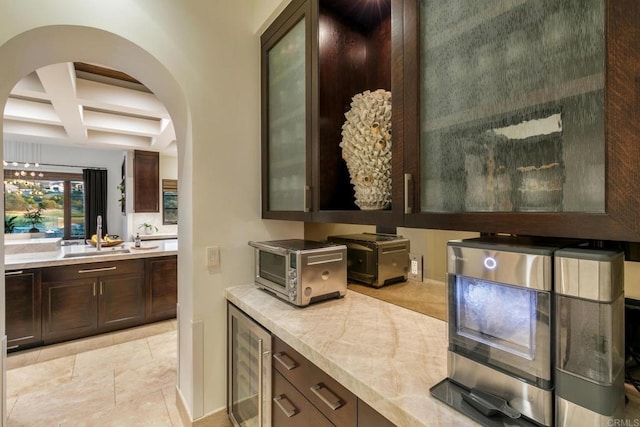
(42,46)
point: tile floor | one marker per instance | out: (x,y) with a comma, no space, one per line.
(124,378)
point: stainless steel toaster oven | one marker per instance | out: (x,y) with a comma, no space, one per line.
(301,271)
(375,259)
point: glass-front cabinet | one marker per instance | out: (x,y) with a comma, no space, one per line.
(521,110)
(511,106)
(286,114)
(317,56)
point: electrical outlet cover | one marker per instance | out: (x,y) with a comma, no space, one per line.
(415,267)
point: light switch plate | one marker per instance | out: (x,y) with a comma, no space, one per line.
(415,267)
(213,256)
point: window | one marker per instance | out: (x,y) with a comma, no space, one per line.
(169,201)
(61,196)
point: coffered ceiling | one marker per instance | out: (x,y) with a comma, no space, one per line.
(89,106)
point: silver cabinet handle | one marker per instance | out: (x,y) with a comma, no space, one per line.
(285,360)
(332,401)
(305,197)
(93,270)
(14,346)
(100,287)
(94,289)
(285,405)
(13,273)
(407,180)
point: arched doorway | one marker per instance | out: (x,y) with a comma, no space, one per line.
(42,46)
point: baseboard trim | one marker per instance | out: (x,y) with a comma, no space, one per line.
(217,418)
(183,410)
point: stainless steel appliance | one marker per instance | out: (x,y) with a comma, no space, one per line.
(500,329)
(374,258)
(301,271)
(589,286)
(248,370)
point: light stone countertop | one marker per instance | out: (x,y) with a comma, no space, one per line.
(57,258)
(386,355)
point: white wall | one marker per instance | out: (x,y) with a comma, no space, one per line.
(201,58)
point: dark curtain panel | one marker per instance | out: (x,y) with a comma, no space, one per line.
(95,200)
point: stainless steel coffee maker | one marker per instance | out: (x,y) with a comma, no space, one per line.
(589,365)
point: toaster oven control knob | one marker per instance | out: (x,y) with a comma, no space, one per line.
(293,294)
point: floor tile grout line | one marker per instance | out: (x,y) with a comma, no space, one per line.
(152,332)
(115,400)
(166,408)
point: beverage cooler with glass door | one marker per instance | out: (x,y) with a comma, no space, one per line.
(248,371)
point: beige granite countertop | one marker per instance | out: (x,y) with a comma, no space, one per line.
(387,355)
(56,258)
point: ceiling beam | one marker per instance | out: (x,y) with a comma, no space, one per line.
(168,135)
(106,97)
(30,111)
(59,82)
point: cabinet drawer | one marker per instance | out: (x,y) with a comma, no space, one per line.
(291,408)
(369,417)
(94,269)
(330,397)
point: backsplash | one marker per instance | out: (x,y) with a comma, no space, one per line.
(431,245)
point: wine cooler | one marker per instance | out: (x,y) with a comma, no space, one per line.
(248,370)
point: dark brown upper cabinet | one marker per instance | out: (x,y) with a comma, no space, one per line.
(146,181)
(521,117)
(316,56)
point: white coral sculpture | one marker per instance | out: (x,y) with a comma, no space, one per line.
(366,148)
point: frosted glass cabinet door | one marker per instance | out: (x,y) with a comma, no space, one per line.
(287,127)
(511,100)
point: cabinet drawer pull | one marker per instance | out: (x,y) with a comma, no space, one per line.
(285,405)
(94,289)
(93,270)
(332,401)
(101,287)
(13,273)
(285,360)
(13,346)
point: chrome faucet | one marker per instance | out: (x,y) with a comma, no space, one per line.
(99,233)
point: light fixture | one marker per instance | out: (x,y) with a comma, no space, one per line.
(23,156)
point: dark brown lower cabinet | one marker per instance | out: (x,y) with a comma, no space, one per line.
(22,312)
(162,287)
(69,309)
(369,417)
(291,409)
(120,301)
(333,403)
(84,299)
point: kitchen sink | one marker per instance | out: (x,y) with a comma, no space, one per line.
(94,252)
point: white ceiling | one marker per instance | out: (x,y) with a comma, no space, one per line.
(89,106)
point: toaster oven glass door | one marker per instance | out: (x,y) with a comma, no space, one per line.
(273,267)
